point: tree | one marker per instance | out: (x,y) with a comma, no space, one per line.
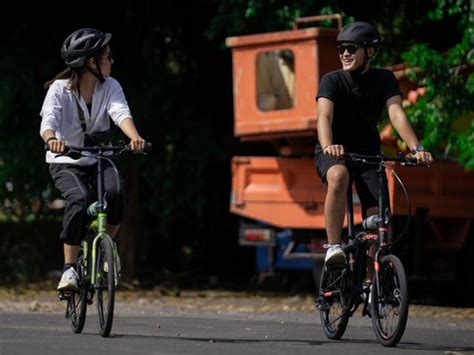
(445,113)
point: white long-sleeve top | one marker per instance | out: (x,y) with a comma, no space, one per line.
(59,113)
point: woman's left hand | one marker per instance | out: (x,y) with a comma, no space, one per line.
(137,144)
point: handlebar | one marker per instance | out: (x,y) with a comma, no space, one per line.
(99,150)
(380,159)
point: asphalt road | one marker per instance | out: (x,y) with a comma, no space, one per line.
(155,329)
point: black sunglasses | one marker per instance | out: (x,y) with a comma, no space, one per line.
(351,48)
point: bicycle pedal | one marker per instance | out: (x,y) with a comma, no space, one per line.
(366,312)
(322,304)
(64,296)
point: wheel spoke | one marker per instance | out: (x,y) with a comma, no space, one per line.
(77,303)
(333,293)
(390,302)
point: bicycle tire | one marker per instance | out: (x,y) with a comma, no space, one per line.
(335,318)
(389,306)
(105,286)
(77,303)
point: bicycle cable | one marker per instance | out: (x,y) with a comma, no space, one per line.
(402,235)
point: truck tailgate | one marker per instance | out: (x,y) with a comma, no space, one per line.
(284,192)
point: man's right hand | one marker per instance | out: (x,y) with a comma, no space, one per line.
(334,150)
(424,157)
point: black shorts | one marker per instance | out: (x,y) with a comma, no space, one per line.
(365,178)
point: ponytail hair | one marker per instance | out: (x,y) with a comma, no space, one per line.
(72,74)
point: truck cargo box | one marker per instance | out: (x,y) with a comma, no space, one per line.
(287,193)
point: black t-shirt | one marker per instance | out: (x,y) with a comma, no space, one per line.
(359,102)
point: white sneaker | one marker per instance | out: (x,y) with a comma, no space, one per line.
(335,255)
(68,280)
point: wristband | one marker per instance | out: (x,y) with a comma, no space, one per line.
(50,139)
(417,149)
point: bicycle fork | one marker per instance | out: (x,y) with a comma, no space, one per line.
(376,292)
(101,235)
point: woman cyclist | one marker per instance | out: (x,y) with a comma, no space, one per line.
(77,110)
(350,104)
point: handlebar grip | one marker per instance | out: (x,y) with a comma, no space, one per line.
(411,160)
(66,149)
(148,147)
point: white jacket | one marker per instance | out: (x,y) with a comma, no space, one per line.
(59,113)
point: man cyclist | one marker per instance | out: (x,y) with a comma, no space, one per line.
(351,101)
(79,105)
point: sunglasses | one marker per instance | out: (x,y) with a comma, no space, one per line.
(351,48)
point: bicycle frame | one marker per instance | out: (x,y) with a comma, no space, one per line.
(383,218)
(99,211)
(383,222)
(383,209)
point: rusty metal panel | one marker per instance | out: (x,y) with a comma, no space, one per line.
(313,52)
(446,190)
(283,192)
(287,193)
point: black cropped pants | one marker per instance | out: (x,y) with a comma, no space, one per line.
(77,184)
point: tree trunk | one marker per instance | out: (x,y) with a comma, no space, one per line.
(130,227)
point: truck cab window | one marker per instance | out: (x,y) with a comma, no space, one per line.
(275,80)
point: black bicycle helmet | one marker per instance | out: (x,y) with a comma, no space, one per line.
(81,44)
(360,32)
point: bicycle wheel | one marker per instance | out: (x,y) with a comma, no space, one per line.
(77,302)
(334,302)
(389,307)
(105,286)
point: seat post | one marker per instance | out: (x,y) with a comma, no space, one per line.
(100,184)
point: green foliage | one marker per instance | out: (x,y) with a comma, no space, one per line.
(22,173)
(28,250)
(445,113)
(240,17)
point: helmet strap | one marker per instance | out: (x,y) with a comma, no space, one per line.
(98,74)
(357,72)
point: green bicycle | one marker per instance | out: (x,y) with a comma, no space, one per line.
(98,264)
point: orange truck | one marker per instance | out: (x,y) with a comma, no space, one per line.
(280,198)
